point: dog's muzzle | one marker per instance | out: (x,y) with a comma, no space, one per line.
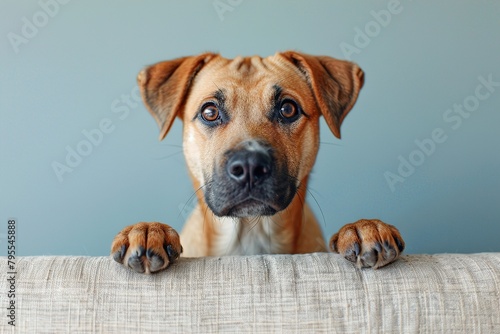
(250,183)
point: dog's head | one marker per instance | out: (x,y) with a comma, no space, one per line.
(251,125)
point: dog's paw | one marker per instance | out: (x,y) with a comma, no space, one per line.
(146,247)
(368,243)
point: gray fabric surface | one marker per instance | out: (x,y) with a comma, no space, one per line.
(446,293)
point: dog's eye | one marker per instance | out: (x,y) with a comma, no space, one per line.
(210,113)
(289,111)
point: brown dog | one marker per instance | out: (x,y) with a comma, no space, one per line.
(251,135)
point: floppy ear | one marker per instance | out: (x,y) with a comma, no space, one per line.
(165,86)
(335,84)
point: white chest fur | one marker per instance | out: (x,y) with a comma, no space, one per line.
(250,236)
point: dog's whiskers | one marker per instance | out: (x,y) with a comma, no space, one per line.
(319,207)
(309,190)
(173,145)
(302,202)
(328,143)
(168,156)
(190,199)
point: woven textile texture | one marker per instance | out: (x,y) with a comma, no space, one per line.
(445,293)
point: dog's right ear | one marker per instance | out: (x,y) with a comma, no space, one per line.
(165,86)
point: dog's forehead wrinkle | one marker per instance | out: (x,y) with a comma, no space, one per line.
(248,64)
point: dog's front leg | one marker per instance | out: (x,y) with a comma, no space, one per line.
(368,243)
(146,247)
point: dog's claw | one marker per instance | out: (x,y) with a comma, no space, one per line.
(171,252)
(156,262)
(400,243)
(368,243)
(135,261)
(118,255)
(352,253)
(146,247)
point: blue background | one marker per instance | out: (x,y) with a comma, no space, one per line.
(79,68)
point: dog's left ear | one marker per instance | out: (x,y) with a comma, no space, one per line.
(335,84)
(165,86)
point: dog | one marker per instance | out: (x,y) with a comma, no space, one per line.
(250,139)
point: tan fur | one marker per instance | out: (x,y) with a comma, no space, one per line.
(322,86)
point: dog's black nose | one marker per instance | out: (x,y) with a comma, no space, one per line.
(249,167)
